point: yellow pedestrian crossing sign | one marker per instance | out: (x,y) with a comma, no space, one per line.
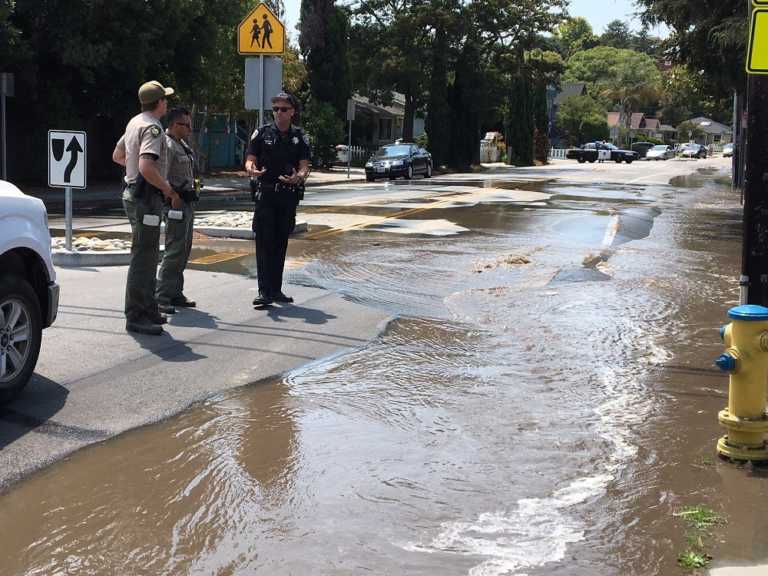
(260,33)
(757,55)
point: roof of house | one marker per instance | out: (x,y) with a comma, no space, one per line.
(710,126)
(394,110)
(614,118)
(569,89)
(637,120)
(652,123)
(667,128)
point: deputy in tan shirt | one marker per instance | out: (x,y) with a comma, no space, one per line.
(143,152)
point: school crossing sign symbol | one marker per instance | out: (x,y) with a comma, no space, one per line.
(260,33)
(66,159)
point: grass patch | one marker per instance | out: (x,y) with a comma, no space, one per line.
(699,521)
(700,518)
(693,560)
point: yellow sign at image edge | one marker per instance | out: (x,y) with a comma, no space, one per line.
(757,55)
(260,33)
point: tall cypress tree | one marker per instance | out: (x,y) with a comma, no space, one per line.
(323,40)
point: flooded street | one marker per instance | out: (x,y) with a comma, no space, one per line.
(543,402)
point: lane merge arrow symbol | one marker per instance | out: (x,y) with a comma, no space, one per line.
(75,149)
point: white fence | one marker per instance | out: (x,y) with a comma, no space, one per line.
(360,154)
(557,153)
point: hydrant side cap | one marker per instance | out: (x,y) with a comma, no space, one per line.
(749,312)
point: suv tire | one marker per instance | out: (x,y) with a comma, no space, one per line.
(19,317)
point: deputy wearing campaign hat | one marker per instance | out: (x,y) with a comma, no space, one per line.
(143,152)
(278,164)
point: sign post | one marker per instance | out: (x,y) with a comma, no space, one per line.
(67,162)
(350,117)
(260,33)
(6,89)
(754,267)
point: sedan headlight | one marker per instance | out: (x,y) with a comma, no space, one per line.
(369,164)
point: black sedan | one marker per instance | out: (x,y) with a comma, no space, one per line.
(395,160)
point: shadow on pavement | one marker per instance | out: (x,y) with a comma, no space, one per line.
(166,347)
(309,315)
(33,411)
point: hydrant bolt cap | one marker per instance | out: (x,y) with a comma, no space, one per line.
(749,312)
(726,363)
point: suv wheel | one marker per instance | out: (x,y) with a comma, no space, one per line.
(429,170)
(21,329)
(409,173)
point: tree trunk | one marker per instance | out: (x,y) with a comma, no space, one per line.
(410,112)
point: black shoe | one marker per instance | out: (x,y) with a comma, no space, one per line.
(166,308)
(280,297)
(144,327)
(262,300)
(159,319)
(183,302)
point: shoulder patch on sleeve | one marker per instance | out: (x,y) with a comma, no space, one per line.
(155,131)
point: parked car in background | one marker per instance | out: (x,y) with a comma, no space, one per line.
(660,152)
(641,148)
(728,150)
(602,152)
(692,150)
(29,295)
(401,159)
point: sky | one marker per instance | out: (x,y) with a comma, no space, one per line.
(597,12)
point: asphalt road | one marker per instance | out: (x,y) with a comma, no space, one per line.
(94,380)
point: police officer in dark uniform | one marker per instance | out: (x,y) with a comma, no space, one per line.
(278,164)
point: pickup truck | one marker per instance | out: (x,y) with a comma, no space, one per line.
(601,152)
(29,295)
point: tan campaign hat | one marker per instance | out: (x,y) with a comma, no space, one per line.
(152,91)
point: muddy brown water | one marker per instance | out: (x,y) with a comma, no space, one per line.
(544,403)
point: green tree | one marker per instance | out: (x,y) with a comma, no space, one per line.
(79,63)
(582,119)
(689,132)
(325,131)
(709,37)
(324,42)
(617,35)
(615,77)
(574,35)
(391,41)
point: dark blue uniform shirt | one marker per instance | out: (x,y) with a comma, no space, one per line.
(278,152)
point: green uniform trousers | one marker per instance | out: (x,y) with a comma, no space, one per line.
(140,304)
(178,245)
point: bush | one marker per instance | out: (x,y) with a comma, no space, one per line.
(325,131)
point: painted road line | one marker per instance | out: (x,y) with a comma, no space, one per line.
(218,257)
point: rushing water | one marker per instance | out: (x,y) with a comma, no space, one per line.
(483,433)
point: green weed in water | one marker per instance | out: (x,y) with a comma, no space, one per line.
(693,560)
(699,518)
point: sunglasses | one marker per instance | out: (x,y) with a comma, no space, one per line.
(281,108)
(187,124)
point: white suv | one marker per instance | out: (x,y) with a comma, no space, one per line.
(29,295)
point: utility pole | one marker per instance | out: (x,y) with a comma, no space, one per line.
(754,264)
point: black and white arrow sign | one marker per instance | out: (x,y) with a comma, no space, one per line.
(67,166)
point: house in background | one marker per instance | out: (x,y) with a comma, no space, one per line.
(714,132)
(377,124)
(614,126)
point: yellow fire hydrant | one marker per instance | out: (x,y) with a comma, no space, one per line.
(746,360)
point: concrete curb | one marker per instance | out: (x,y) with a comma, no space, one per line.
(242,233)
(88,258)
